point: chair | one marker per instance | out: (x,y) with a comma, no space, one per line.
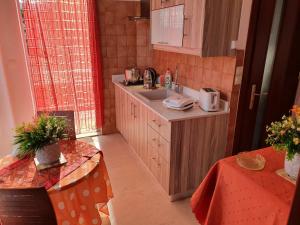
(30,206)
(69,115)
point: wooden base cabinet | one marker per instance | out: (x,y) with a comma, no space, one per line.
(178,153)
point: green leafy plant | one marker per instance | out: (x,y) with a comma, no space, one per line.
(284,135)
(44,130)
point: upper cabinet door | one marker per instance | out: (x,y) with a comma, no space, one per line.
(167,26)
(169,3)
(194,11)
(156,27)
(156,4)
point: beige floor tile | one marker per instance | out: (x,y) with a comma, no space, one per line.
(138,198)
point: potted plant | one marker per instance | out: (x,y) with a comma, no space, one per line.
(284,135)
(40,138)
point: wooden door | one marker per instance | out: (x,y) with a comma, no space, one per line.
(286,69)
(255,58)
(252,116)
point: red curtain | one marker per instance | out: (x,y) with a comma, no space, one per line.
(64,58)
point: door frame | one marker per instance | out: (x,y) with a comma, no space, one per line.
(286,65)
(285,69)
(257,45)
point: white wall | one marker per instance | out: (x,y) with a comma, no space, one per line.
(16,102)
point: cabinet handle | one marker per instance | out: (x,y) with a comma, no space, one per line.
(163,42)
(185,19)
(157,124)
(153,139)
(253,95)
(131,108)
(134,111)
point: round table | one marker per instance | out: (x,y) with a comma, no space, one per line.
(81,196)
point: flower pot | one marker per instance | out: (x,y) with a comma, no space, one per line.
(291,167)
(48,154)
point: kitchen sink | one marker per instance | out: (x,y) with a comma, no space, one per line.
(156,95)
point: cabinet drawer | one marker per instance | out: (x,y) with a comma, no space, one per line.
(157,142)
(162,126)
(153,138)
(164,148)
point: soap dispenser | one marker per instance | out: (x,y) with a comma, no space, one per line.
(168,79)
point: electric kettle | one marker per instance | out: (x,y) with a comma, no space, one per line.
(132,75)
(149,78)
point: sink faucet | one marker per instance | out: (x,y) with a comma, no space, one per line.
(175,85)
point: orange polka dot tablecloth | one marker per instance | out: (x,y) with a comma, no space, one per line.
(231,195)
(80,197)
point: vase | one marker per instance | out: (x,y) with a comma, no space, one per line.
(48,154)
(291,167)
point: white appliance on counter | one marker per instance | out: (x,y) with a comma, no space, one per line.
(178,102)
(209,99)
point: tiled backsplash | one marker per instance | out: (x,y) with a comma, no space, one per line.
(118,47)
(196,72)
(144,48)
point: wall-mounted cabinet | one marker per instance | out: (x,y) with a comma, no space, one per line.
(209,26)
(167,26)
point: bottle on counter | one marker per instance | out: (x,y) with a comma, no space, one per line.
(168,79)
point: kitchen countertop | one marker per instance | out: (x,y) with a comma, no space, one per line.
(158,107)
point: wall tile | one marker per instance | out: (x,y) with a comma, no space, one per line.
(116,34)
(229,65)
(197,72)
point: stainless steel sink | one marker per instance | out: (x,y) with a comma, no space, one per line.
(156,95)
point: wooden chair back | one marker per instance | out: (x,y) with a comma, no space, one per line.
(30,206)
(69,115)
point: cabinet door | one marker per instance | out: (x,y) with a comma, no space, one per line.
(121,113)
(130,120)
(117,107)
(194,12)
(142,133)
(169,3)
(135,125)
(163,173)
(167,26)
(164,148)
(153,152)
(126,116)
(155,4)
(157,32)
(162,126)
